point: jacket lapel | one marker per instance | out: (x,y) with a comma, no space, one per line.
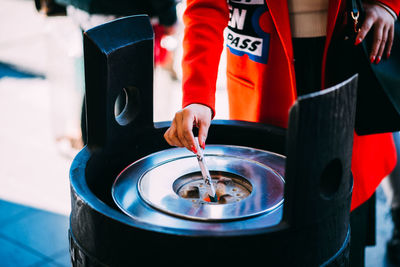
(279,12)
(280,16)
(333,11)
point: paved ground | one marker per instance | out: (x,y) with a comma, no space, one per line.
(40,97)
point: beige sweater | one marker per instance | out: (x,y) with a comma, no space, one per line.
(308,18)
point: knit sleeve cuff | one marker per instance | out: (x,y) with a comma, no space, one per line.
(393,5)
(388,9)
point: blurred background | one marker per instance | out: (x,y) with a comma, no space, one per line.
(41,93)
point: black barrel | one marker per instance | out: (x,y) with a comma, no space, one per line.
(314,229)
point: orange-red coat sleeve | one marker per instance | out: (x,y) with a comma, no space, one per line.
(205,21)
(374,157)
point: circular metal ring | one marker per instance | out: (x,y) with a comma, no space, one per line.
(145,189)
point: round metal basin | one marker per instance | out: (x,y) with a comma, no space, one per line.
(250,180)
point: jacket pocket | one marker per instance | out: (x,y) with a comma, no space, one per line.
(241,81)
(243,99)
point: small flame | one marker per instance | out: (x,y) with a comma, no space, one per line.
(207,199)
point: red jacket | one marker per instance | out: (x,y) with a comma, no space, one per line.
(261,79)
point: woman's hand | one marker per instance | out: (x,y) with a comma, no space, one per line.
(382,22)
(180,133)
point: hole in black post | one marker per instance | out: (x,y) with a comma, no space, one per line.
(127,105)
(331,178)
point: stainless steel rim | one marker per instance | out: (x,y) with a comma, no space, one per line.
(132,190)
(156,188)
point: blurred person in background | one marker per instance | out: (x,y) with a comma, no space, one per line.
(90,13)
(391,187)
(50,8)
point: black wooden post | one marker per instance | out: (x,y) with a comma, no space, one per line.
(318,175)
(118,62)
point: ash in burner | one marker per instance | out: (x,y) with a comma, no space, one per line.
(222,185)
(227,190)
(190,192)
(225,199)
